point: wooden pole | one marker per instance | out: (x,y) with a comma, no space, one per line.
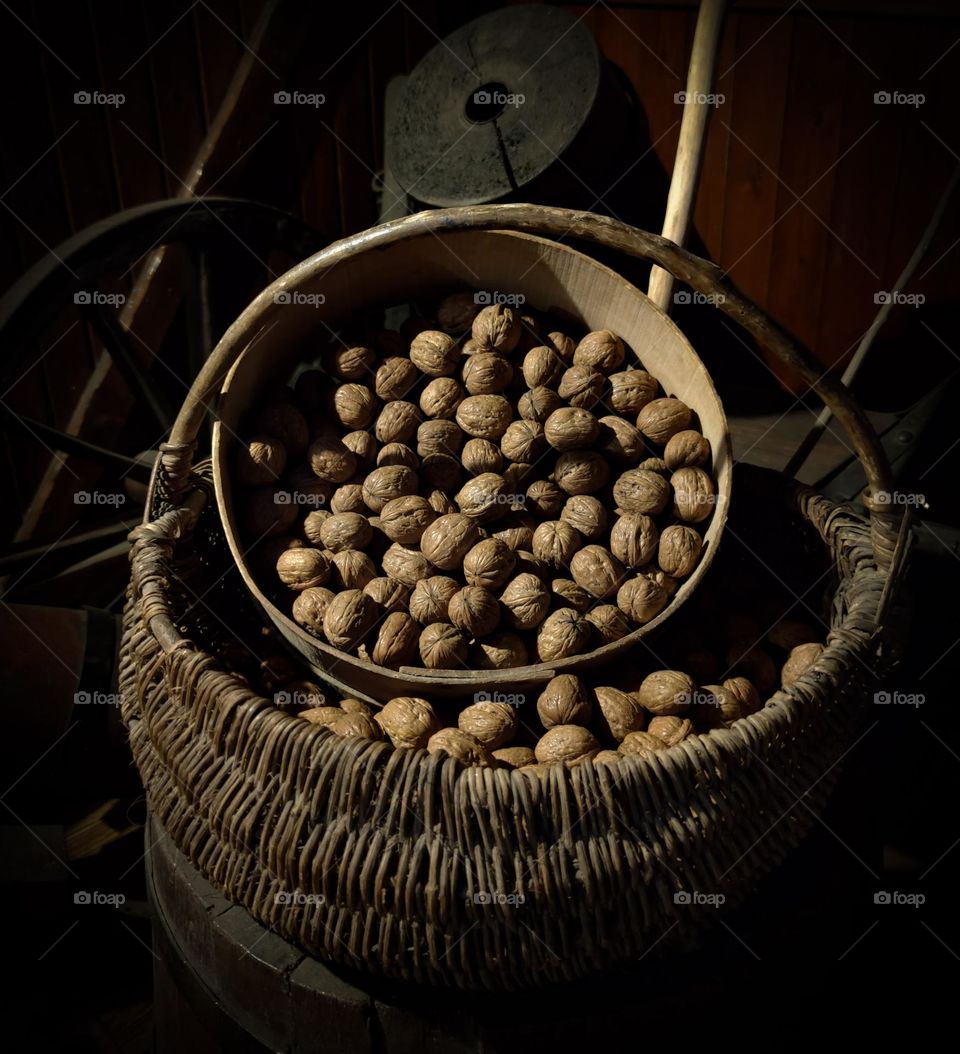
(693,132)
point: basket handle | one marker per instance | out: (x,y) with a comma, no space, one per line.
(701,275)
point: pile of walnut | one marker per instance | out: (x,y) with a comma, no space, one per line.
(476,492)
(574,722)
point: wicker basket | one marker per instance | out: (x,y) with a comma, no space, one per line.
(374,857)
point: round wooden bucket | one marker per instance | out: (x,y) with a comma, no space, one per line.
(269,338)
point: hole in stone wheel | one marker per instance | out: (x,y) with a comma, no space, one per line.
(486,103)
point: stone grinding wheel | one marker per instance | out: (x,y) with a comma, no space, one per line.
(495,105)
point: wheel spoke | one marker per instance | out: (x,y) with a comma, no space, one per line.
(70,444)
(119,346)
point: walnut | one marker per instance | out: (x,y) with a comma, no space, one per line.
(348,618)
(581,386)
(565,743)
(563,345)
(569,595)
(448,540)
(441,397)
(321,715)
(686,449)
(679,550)
(398,422)
(666,692)
(721,706)
(788,633)
(527,563)
(538,404)
(387,593)
(488,564)
(620,713)
(456,312)
(597,570)
(492,724)
(303,568)
(395,377)
(631,390)
(515,476)
(408,721)
(310,606)
(634,539)
(260,461)
(514,757)
(745,659)
(284,421)
(587,514)
(620,440)
(544,498)
(518,537)
(671,730)
(609,622)
(581,472)
(398,454)
(638,490)
(555,542)
(482,497)
(661,419)
(523,441)
(309,490)
(352,569)
(405,564)
(439,437)
(460,745)
(385,484)
(641,599)
(601,350)
(525,601)
(655,464)
(542,366)
(397,641)
(496,328)
(474,610)
(471,347)
(405,519)
(443,647)
(666,582)
(499,651)
(484,416)
(563,633)
(354,405)
(353,363)
(268,512)
(744,692)
(434,353)
(356,706)
(348,498)
(442,471)
(800,659)
(313,523)
(331,460)
(345,530)
(364,446)
(356,726)
(606,757)
(565,700)
(571,428)
(441,502)
(641,744)
(694,494)
(486,373)
(430,599)
(480,455)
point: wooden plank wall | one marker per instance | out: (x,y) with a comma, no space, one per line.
(812,196)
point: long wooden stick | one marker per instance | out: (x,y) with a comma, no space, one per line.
(811,439)
(693,133)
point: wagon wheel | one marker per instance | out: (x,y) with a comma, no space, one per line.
(226,250)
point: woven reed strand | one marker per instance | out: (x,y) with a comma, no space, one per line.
(393,845)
